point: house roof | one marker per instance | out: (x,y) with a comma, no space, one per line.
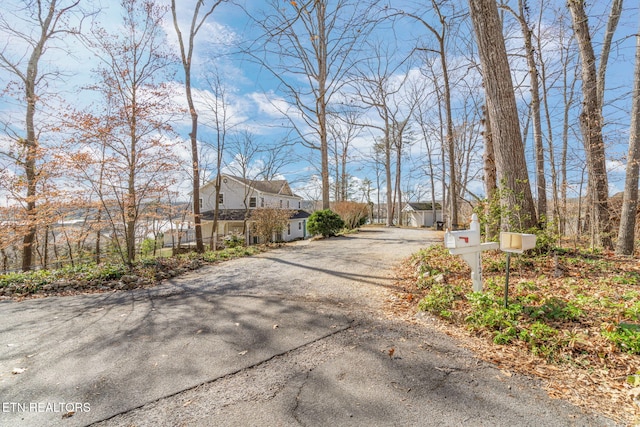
(278,187)
(239,215)
(422,206)
(226,215)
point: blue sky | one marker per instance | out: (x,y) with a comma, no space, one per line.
(253,93)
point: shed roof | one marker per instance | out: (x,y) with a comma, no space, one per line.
(422,206)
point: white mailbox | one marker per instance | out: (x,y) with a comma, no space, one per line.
(466,243)
(461,239)
(517,242)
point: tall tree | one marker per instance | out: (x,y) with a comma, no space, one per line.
(343,127)
(511,166)
(626,233)
(35,27)
(380,86)
(535,105)
(427,130)
(315,42)
(442,37)
(591,121)
(186,55)
(136,112)
(221,123)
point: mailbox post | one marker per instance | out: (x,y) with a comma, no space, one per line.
(514,243)
(466,243)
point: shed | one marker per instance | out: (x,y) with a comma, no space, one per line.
(422,214)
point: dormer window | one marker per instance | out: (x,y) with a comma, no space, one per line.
(252,202)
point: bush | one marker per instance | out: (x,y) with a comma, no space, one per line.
(325,222)
(353,214)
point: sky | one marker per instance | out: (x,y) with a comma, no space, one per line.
(255,99)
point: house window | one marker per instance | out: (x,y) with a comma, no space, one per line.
(200,203)
(299,226)
(287,204)
(289,229)
(221,198)
(299,204)
(262,202)
(252,202)
(280,203)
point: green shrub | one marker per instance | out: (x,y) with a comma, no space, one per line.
(626,337)
(439,300)
(489,313)
(542,339)
(233,241)
(325,222)
(555,309)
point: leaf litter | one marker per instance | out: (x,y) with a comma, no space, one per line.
(588,370)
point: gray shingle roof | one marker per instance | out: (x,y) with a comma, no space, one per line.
(423,206)
(280,186)
(239,215)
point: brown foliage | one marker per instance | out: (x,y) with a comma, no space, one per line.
(269,221)
(351,212)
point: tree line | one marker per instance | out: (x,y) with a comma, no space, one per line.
(426,101)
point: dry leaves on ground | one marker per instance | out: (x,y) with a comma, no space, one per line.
(589,370)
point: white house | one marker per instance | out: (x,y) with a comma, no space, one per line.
(239,196)
(422,214)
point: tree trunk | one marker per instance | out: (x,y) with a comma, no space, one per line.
(541,184)
(387,169)
(591,126)
(626,233)
(511,166)
(490,179)
(321,101)
(186,56)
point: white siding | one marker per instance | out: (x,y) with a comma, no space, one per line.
(234,194)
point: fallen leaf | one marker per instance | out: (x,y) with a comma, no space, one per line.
(17,371)
(275,326)
(69,414)
(242,353)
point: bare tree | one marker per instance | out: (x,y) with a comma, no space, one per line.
(315,42)
(36,26)
(186,55)
(343,127)
(440,32)
(591,120)
(511,166)
(534,88)
(135,114)
(569,74)
(427,129)
(222,123)
(626,233)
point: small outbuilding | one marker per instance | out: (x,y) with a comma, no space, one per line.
(422,214)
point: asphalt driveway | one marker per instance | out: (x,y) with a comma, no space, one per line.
(294,336)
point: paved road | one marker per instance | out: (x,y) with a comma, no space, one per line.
(292,337)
